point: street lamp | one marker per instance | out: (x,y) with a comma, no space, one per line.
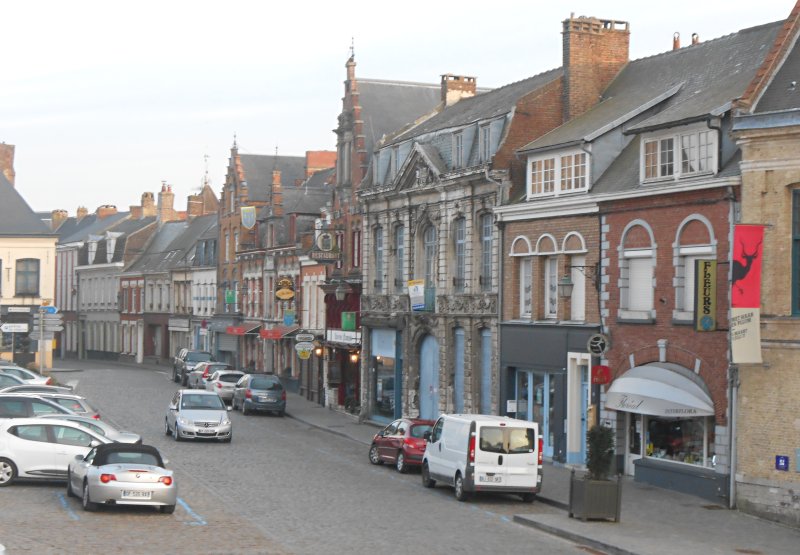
(341,291)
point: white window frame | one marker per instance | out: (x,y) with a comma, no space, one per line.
(484,143)
(379,259)
(486,222)
(637,295)
(550,283)
(526,287)
(460,254)
(684,279)
(695,145)
(555,175)
(458,150)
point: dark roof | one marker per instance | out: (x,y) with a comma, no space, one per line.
(128,227)
(388,106)
(258,170)
(103,451)
(305,199)
(74,229)
(16,217)
(783,93)
(482,106)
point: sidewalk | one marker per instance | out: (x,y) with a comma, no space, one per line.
(653,521)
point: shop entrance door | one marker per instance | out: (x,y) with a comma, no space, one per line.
(535,402)
(633,441)
(429,378)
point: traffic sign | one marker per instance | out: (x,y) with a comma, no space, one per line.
(36,336)
(12,327)
(49,309)
(304,337)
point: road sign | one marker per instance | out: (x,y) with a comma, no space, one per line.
(49,309)
(36,336)
(304,337)
(11,327)
(48,328)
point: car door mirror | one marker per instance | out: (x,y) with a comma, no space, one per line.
(427,436)
(94,443)
(230,408)
(165,461)
(79,458)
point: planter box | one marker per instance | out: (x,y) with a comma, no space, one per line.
(594,499)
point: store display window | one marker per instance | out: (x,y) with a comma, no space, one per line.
(683,440)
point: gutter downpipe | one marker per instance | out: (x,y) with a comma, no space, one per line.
(501,249)
(733,377)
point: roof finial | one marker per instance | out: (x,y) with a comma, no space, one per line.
(352,47)
(205,162)
(234,141)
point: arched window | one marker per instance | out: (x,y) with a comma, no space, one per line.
(486,238)
(637,269)
(694,241)
(460,255)
(429,252)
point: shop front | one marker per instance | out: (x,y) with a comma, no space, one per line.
(385,367)
(225,346)
(669,429)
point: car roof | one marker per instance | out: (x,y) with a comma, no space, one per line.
(56,394)
(38,420)
(198,392)
(102,451)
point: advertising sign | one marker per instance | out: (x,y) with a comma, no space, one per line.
(349,321)
(705,295)
(284,288)
(746,294)
(248,216)
(416,294)
(230,296)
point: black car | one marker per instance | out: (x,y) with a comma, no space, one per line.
(185,362)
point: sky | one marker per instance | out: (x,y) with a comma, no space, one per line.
(106,100)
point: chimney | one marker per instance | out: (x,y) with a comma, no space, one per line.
(81,213)
(7,162)
(194,206)
(317,160)
(57,217)
(594,51)
(695,39)
(148,205)
(136,212)
(106,210)
(676,40)
(166,204)
(277,193)
(456,87)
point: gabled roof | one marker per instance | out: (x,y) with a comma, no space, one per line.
(73,229)
(17,219)
(480,107)
(162,250)
(258,170)
(388,106)
(783,93)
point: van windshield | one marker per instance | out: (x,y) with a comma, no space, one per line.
(507,440)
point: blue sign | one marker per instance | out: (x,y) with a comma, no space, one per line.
(49,309)
(288,318)
(781,462)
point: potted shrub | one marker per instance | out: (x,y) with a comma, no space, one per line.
(594,495)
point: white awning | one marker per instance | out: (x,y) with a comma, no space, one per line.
(656,390)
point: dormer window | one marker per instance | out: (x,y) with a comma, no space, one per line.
(395,160)
(484,144)
(458,150)
(678,155)
(567,173)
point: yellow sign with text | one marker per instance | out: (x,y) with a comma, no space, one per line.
(705,295)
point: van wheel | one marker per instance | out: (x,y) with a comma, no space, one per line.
(426,476)
(528,497)
(458,487)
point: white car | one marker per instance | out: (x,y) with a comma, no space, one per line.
(223,382)
(194,414)
(98,426)
(28,376)
(33,448)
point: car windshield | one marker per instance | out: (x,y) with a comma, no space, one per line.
(419,430)
(230,378)
(198,357)
(269,384)
(122,457)
(202,402)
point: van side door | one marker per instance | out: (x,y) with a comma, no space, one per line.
(433,451)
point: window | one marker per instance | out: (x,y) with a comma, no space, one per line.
(356,248)
(796,252)
(525,287)
(542,176)
(27,277)
(458,150)
(551,287)
(636,294)
(339,246)
(235,242)
(460,240)
(31,433)
(226,248)
(697,155)
(429,250)
(573,172)
(399,259)
(487,229)
(72,436)
(395,160)
(567,173)
(378,260)
(484,144)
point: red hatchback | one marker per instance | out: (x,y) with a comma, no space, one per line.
(401,443)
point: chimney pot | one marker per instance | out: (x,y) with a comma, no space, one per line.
(7,162)
(676,41)
(456,87)
(695,39)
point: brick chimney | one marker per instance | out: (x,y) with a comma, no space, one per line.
(676,40)
(81,213)
(136,212)
(317,160)
(194,206)
(148,205)
(456,87)
(7,162)
(106,210)
(594,51)
(277,193)
(166,204)
(57,217)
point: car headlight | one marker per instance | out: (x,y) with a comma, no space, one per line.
(226,421)
(183,421)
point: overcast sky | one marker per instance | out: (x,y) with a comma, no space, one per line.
(105,100)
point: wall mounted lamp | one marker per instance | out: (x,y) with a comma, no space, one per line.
(565,284)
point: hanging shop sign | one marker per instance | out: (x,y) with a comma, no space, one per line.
(304,350)
(416,294)
(349,321)
(705,295)
(230,296)
(284,289)
(325,249)
(598,344)
(746,294)
(601,374)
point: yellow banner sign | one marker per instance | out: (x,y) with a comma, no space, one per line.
(705,295)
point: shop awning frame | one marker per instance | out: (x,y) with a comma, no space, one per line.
(659,389)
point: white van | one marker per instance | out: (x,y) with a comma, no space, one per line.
(478,452)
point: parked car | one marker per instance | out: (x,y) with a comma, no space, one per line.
(98,426)
(7,381)
(75,403)
(262,392)
(42,449)
(401,443)
(27,375)
(185,362)
(222,383)
(193,414)
(478,452)
(118,474)
(25,405)
(199,375)
(27,388)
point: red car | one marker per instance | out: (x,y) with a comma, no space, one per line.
(401,443)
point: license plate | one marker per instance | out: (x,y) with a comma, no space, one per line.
(206,431)
(128,494)
(496,479)
(263,399)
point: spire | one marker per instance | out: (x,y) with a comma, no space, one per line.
(352,48)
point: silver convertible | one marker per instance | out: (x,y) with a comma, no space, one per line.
(122,474)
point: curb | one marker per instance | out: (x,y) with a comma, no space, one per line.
(577,538)
(326,429)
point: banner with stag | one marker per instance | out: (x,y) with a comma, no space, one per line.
(746,294)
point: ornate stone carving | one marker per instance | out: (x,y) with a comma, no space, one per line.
(467,304)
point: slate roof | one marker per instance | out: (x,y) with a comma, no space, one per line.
(17,219)
(160,254)
(481,107)
(73,229)
(689,84)
(780,94)
(258,170)
(388,106)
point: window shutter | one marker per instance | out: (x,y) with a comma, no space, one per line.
(640,284)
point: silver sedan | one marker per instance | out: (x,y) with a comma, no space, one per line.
(120,474)
(194,414)
(222,383)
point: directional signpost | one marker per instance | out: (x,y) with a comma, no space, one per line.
(11,327)
(46,322)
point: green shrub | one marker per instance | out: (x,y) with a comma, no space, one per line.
(599,452)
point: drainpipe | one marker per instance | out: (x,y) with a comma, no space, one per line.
(733,395)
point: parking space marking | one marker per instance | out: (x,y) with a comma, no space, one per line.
(65,504)
(72,384)
(199,521)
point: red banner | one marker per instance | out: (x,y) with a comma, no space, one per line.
(601,374)
(235,330)
(746,274)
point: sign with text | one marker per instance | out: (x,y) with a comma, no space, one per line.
(416,294)
(601,374)
(284,288)
(705,295)
(349,321)
(746,294)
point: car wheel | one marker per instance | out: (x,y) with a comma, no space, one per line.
(245,410)
(426,476)
(184,380)
(401,462)
(86,502)
(528,497)
(167,509)
(176,432)
(166,427)
(281,413)
(458,487)
(8,472)
(374,457)
(70,493)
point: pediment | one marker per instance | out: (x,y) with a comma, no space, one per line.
(422,168)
